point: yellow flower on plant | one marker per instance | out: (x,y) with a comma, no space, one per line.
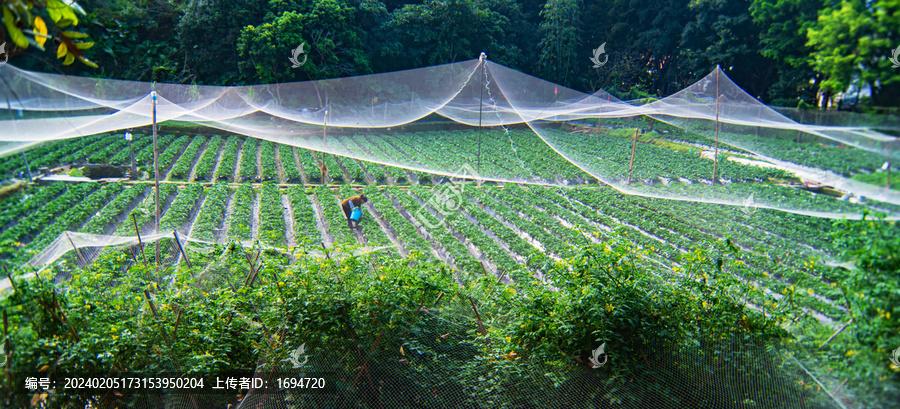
(851,353)
(810,291)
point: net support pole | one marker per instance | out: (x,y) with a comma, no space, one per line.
(155,172)
(716,153)
(27,167)
(324,144)
(183,254)
(140,243)
(78,252)
(631,162)
(482,59)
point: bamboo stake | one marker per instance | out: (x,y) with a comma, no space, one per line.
(155,172)
(78,252)
(836,333)
(478,317)
(716,154)
(140,243)
(183,254)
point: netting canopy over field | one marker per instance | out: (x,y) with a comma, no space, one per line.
(711,142)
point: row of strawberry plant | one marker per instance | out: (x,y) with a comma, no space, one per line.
(373,233)
(305,231)
(76,215)
(527,147)
(373,169)
(92,146)
(105,154)
(111,212)
(212,213)
(32,198)
(271,215)
(463,260)
(172,152)
(516,243)
(145,156)
(179,211)
(248,159)
(288,167)
(49,155)
(456,222)
(334,217)
(550,242)
(269,169)
(241,218)
(334,169)
(310,165)
(145,212)
(382,149)
(507,160)
(225,171)
(354,171)
(406,233)
(36,221)
(182,168)
(509,198)
(123,157)
(687,236)
(208,161)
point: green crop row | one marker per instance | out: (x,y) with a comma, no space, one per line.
(288,167)
(208,161)
(179,211)
(109,213)
(225,171)
(27,202)
(76,216)
(269,170)
(145,212)
(334,217)
(271,215)
(212,213)
(33,223)
(241,217)
(406,233)
(305,231)
(248,159)
(181,170)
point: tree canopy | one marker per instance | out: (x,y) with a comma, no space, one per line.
(785,52)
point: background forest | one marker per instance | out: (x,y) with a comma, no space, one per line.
(785,52)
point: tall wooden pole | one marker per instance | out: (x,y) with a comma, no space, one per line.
(155,171)
(716,154)
(481,106)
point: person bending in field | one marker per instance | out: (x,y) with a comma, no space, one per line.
(353,209)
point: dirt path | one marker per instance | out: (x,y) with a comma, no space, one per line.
(278,168)
(288,221)
(237,161)
(387,229)
(436,249)
(327,239)
(200,153)
(218,159)
(165,172)
(303,177)
(254,222)
(222,234)
(123,216)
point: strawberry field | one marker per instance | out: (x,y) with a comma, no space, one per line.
(521,268)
